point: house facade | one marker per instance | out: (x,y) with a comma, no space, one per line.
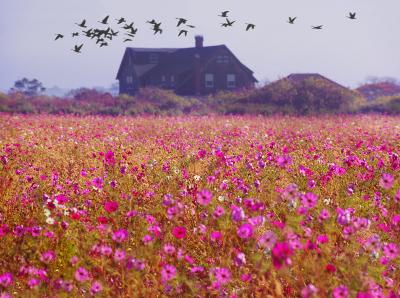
(199,70)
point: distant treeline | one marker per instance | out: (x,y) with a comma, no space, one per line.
(310,97)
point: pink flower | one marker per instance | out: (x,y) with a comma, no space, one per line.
(169,249)
(308,291)
(179,232)
(222,275)
(267,240)
(309,200)
(109,158)
(96,288)
(111,206)
(120,235)
(391,251)
(48,256)
(386,181)
(81,274)
(340,292)
(204,197)
(201,153)
(218,212)
(245,231)
(168,272)
(280,254)
(119,255)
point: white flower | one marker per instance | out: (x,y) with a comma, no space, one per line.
(50,221)
(221,198)
(47,212)
(197,178)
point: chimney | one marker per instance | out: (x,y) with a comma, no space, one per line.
(199,41)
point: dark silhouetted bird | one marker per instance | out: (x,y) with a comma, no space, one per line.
(190,26)
(58,36)
(157,30)
(352,16)
(113,33)
(183,32)
(82,24)
(120,21)
(317,27)
(134,30)
(77,49)
(127,39)
(130,35)
(181,21)
(105,20)
(153,21)
(250,26)
(99,40)
(88,33)
(128,27)
(224,14)
(103,44)
(75,34)
(228,23)
(291,20)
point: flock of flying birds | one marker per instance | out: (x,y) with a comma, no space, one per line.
(102,37)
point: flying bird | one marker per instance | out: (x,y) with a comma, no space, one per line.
(250,26)
(99,40)
(352,16)
(317,27)
(157,30)
(191,26)
(105,20)
(128,27)
(228,23)
(153,21)
(120,21)
(75,34)
(224,14)
(127,39)
(77,49)
(182,32)
(103,44)
(88,33)
(58,36)
(291,20)
(181,21)
(82,24)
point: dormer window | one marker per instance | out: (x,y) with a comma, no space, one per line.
(230,81)
(163,78)
(153,58)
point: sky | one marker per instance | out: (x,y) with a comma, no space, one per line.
(346,51)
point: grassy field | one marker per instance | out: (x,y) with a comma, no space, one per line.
(199,206)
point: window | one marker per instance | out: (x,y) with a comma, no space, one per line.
(209,79)
(231,81)
(129,80)
(172,80)
(162,78)
(223,59)
(153,58)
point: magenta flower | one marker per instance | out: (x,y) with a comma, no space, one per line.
(340,292)
(96,288)
(204,197)
(169,249)
(109,158)
(386,181)
(98,183)
(391,251)
(280,254)
(179,232)
(119,255)
(81,274)
(245,231)
(168,272)
(215,236)
(120,235)
(6,279)
(309,291)
(111,206)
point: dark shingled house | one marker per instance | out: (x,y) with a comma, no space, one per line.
(197,70)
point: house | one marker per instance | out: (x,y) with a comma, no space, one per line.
(197,70)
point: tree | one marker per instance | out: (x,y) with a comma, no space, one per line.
(28,87)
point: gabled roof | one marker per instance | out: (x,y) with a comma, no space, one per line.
(178,60)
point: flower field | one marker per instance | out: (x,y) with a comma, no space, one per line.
(199,206)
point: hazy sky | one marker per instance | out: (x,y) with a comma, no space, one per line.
(346,51)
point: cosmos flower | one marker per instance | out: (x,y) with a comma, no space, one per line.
(204,197)
(386,181)
(95,288)
(111,206)
(340,292)
(120,235)
(168,272)
(245,231)
(222,275)
(179,232)
(281,254)
(81,274)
